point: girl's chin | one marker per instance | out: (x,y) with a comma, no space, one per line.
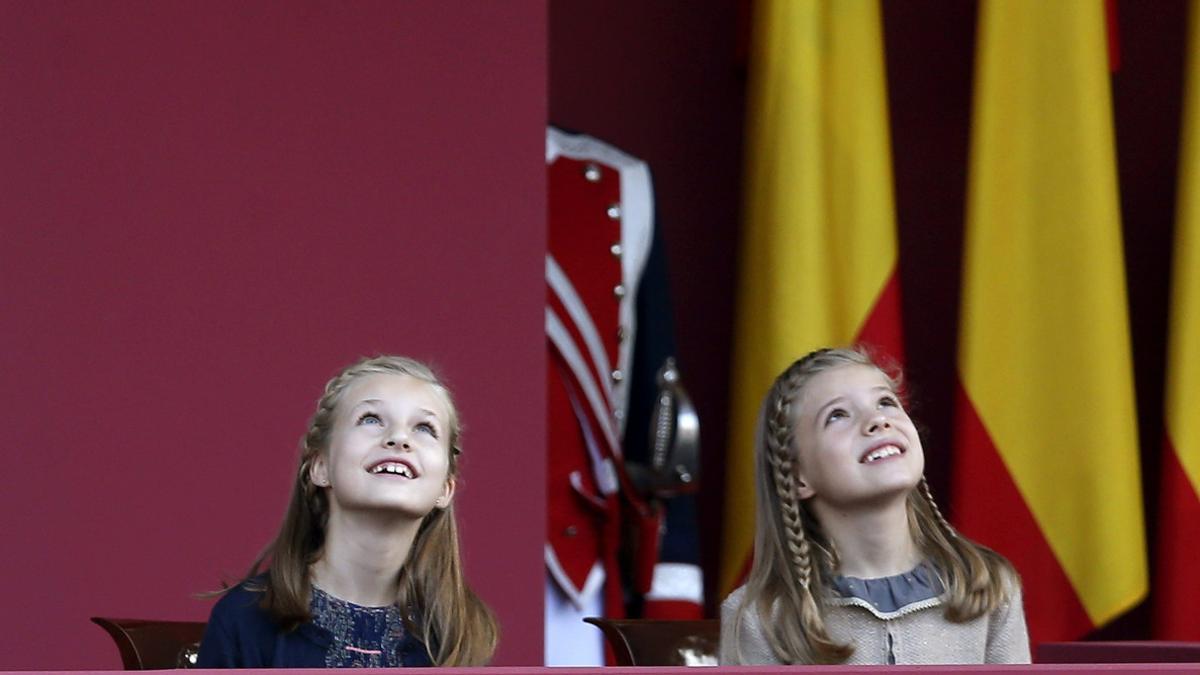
(864,502)
(400,510)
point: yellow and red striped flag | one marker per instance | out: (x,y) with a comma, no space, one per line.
(819,255)
(1177,587)
(1046,469)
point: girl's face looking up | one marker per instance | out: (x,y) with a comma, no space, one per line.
(389,449)
(856,444)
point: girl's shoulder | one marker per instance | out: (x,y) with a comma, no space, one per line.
(743,639)
(242,602)
(740,610)
(1008,575)
(734,599)
(255,585)
(1010,584)
(240,633)
(1008,580)
(739,615)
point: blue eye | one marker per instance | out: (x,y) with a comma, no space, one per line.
(834,415)
(426,427)
(369,418)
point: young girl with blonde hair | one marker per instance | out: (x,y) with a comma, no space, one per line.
(853,560)
(365,570)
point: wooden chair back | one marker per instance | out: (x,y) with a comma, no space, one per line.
(652,642)
(154,645)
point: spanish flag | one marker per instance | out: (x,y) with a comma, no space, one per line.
(1046,464)
(819,255)
(1177,586)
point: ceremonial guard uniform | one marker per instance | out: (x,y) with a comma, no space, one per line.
(621,522)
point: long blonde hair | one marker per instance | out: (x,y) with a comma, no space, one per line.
(456,627)
(793,558)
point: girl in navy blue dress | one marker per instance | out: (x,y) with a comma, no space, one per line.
(365,570)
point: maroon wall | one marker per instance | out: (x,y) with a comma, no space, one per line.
(205,210)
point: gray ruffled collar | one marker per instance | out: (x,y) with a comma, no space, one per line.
(916,588)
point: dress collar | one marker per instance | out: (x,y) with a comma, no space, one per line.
(888,597)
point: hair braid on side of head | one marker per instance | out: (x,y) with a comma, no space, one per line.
(780,438)
(818,646)
(937,512)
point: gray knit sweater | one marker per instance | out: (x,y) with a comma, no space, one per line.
(916,633)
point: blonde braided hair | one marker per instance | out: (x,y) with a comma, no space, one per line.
(923,486)
(786,572)
(779,443)
(793,557)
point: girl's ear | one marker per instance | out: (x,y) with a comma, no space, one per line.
(447,494)
(803,491)
(318,472)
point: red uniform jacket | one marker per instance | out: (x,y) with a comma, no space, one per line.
(601,236)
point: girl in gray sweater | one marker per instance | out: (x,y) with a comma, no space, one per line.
(853,561)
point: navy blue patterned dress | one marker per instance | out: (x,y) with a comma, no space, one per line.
(241,634)
(363,637)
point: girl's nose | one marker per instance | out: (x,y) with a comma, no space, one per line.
(393,441)
(878,424)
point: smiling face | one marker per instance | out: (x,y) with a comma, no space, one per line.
(389,448)
(856,443)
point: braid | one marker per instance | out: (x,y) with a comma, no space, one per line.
(814,643)
(779,441)
(937,512)
(787,585)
